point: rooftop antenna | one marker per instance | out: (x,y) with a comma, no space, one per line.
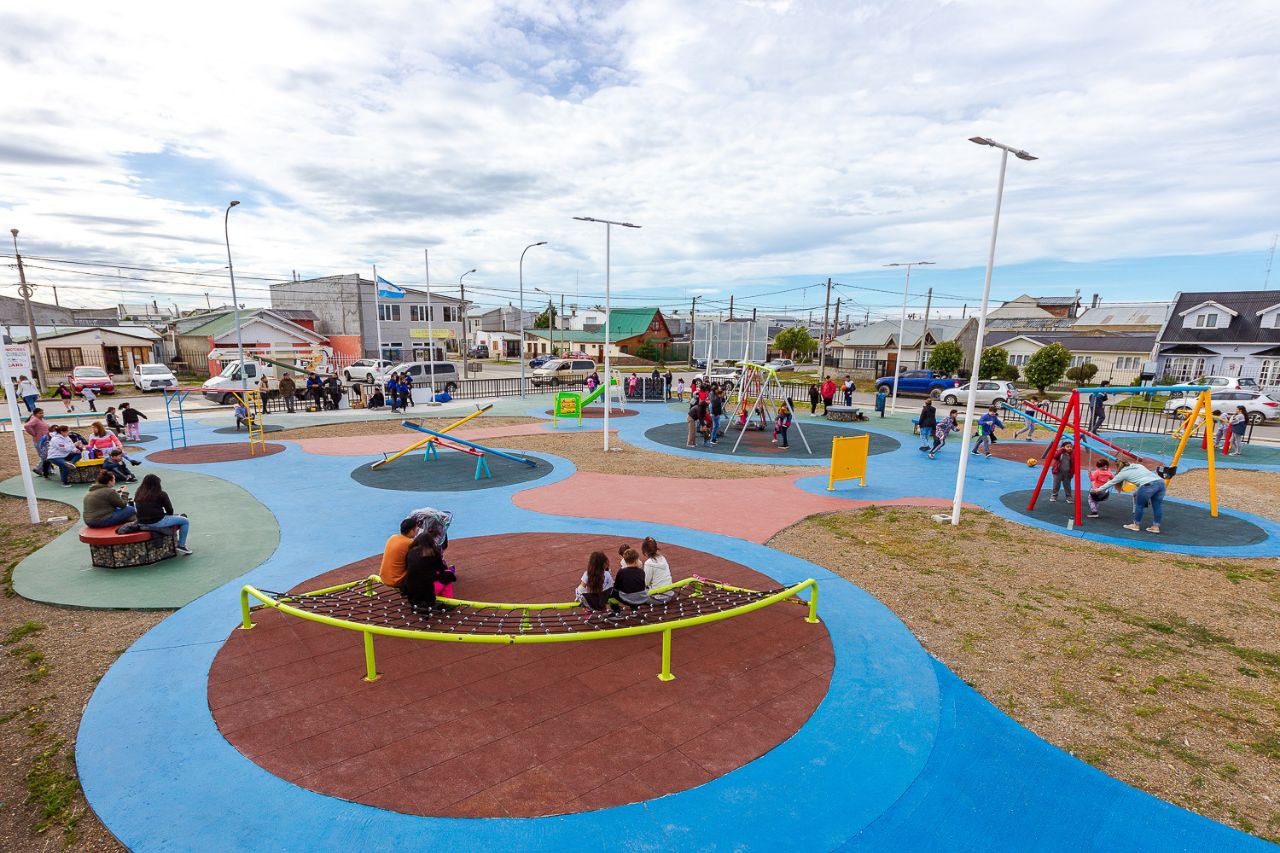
(1266,281)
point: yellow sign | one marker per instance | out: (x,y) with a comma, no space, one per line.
(849,459)
(435,333)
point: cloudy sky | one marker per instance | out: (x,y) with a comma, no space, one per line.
(763,146)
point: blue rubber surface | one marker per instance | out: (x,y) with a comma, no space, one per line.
(900,755)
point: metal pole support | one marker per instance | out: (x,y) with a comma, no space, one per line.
(371,665)
(666,675)
(246,619)
(812,618)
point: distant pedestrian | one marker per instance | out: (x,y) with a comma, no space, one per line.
(1028,425)
(666,385)
(697,412)
(63,393)
(89,396)
(131,417)
(1098,407)
(27,390)
(780,426)
(1239,421)
(289,391)
(940,432)
(928,421)
(680,389)
(848,388)
(828,391)
(814,399)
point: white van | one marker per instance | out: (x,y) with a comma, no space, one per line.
(218,388)
(564,371)
(423,374)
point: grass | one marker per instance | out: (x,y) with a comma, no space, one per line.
(1140,401)
(52,789)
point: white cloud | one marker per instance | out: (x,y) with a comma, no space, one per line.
(751,140)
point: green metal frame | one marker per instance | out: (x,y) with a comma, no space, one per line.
(665,628)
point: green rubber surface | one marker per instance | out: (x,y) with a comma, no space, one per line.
(231,533)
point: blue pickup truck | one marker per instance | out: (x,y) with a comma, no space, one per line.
(923,382)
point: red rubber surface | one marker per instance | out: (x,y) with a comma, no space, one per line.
(199,454)
(492,731)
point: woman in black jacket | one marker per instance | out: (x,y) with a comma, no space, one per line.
(928,421)
(425,572)
(155,511)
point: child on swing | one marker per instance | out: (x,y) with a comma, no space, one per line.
(780,426)
(1098,478)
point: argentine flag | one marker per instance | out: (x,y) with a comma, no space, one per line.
(387,290)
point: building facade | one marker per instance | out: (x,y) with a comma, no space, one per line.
(1222,333)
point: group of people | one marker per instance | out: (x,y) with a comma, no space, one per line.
(413,559)
(706,416)
(634,385)
(399,393)
(1233,425)
(826,393)
(642,579)
(109,505)
(1149,487)
(59,447)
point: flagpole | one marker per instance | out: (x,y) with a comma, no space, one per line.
(431,338)
(377,311)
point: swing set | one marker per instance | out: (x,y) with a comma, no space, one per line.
(755,384)
(1201,416)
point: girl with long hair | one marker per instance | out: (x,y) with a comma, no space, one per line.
(596,587)
(155,511)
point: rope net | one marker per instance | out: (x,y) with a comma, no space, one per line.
(388,608)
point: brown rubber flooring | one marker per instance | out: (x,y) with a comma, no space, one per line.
(469,730)
(596,412)
(198,454)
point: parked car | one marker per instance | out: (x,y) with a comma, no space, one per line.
(149,377)
(366,370)
(1228,383)
(423,374)
(917,382)
(563,371)
(698,363)
(1258,407)
(728,376)
(781,364)
(96,378)
(478,351)
(540,360)
(990,393)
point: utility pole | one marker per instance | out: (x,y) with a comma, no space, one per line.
(559,317)
(835,324)
(928,303)
(466,342)
(25,290)
(693,328)
(56,303)
(822,349)
(730,307)
(207,303)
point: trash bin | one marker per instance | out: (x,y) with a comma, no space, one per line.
(880,400)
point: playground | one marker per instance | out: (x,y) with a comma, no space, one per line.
(1021,679)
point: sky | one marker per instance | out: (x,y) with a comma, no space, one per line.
(762,145)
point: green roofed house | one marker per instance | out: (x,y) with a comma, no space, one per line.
(630,330)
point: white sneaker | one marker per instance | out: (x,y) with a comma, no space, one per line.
(183,549)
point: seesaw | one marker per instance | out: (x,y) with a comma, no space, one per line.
(437,436)
(430,439)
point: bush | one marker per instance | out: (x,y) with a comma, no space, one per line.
(993,362)
(1082,373)
(1009,373)
(648,351)
(1047,365)
(946,358)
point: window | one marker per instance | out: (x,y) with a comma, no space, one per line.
(1185,368)
(63,358)
(1077,360)
(388,312)
(1269,371)
(1206,321)
(864,359)
(452,314)
(1019,360)
(421,313)
(1128,362)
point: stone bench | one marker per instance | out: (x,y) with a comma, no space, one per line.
(111,550)
(86,471)
(845,413)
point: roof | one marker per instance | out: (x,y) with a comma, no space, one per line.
(295,314)
(19,334)
(1244,327)
(623,323)
(220,325)
(1023,323)
(1057,300)
(882,333)
(1140,342)
(1135,314)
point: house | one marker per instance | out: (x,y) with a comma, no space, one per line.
(115,348)
(629,330)
(1222,333)
(1041,313)
(1120,358)
(13,313)
(1124,317)
(872,350)
(208,341)
(349,315)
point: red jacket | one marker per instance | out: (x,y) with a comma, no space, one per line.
(828,389)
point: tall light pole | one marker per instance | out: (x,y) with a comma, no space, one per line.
(526,248)
(25,290)
(235,302)
(982,320)
(466,344)
(902,325)
(608,233)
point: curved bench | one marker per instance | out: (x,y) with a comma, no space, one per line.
(111,550)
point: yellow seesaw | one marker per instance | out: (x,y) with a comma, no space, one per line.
(418,444)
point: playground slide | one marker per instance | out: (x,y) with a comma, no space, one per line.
(593,396)
(472,444)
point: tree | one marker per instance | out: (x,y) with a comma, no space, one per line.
(1047,365)
(1082,373)
(648,351)
(796,341)
(946,358)
(1009,373)
(993,362)
(546,318)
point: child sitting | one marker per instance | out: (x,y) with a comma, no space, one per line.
(657,572)
(426,574)
(629,586)
(1098,478)
(115,463)
(242,415)
(596,587)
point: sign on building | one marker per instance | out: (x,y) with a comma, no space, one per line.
(431,333)
(17,359)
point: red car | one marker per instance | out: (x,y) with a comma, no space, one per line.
(91,377)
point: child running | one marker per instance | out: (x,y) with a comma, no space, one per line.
(987,425)
(130,416)
(1028,425)
(940,432)
(1098,478)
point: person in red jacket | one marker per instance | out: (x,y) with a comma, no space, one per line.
(828,391)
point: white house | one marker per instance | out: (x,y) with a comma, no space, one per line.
(1222,333)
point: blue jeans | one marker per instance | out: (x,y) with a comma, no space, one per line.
(30,402)
(1150,493)
(171,521)
(983,443)
(66,465)
(118,516)
(715,427)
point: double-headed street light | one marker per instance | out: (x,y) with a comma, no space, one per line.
(235,303)
(608,376)
(526,248)
(902,325)
(969,408)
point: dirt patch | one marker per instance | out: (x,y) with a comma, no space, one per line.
(1162,671)
(1257,492)
(392,427)
(586,451)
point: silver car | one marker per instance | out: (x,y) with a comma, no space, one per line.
(990,392)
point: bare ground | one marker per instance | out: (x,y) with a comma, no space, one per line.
(1162,671)
(391,427)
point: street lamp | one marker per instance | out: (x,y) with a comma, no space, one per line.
(25,290)
(969,407)
(902,325)
(235,302)
(526,248)
(608,233)
(466,344)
